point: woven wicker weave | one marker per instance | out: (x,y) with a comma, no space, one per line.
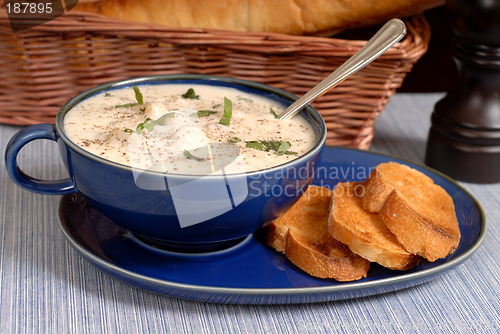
(43,67)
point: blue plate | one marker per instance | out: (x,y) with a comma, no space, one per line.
(251,272)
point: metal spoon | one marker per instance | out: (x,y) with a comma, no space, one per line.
(386,37)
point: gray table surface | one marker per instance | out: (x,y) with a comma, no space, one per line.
(46,287)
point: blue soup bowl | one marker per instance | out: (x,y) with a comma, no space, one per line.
(182,212)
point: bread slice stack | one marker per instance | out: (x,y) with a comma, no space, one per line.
(364,232)
(418,212)
(394,218)
(302,234)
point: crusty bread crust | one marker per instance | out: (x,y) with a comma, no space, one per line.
(432,234)
(330,259)
(384,178)
(297,17)
(364,232)
(302,234)
(420,213)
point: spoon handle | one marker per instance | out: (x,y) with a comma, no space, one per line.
(386,37)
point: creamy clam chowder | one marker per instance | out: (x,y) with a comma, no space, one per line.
(187,129)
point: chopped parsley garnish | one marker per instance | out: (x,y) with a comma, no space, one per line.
(283,149)
(255,144)
(126,105)
(244,99)
(203,113)
(107,94)
(190,94)
(228,112)
(188,155)
(149,124)
(234,140)
(274,113)
(278,146)
(138,97)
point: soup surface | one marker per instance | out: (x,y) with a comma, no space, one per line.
(187,129)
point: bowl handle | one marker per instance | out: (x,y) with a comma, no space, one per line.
(16,143)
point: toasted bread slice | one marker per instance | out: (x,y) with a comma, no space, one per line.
(385,178)
(364,232)
(302,234)
(420,213)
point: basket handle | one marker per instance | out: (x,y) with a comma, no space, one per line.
(16,143)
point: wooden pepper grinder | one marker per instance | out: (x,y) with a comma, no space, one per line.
(464,139)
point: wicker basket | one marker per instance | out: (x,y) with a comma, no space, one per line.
(43,67)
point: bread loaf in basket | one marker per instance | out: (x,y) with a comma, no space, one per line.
(296,17)
(45,66)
